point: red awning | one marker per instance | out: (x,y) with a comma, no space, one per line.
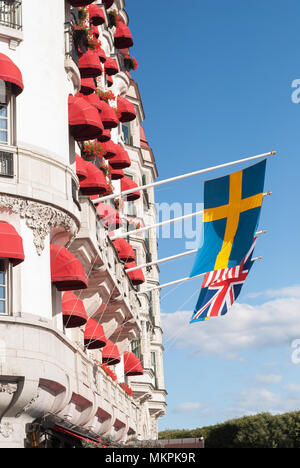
(106,136)
(87,86)
(109,216)
(94,336)
(109,81)
(67,272)
(108,116)
(121,160)
(73,310)
(11,244)
(123,37)
(125,251)
(126,110)
(116,174)
(95,183)
(94,100)
(81,169)
(110,149)
(110,354)
(10,73)
(79,3)
(137,277)
(128,184)
(89,64)
(95,31)
(143,139)
(111,67)
(102,55)
(96,15)
(84,120)
(132,364)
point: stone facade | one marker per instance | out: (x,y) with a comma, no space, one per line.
(46,372)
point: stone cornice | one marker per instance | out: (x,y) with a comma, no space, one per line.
(41,218)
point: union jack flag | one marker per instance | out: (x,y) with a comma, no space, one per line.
(219,292)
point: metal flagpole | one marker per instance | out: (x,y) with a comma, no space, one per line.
(162,223)
(163,260)
(174,257)
(182,280)
(184,176)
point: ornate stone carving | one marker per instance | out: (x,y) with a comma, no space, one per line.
(39,217)
(6,430)
(9,388)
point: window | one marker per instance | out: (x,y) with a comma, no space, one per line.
(153,366)
(136,348)
(11,14)
(127,133)
(4,113)
(150,297)
(3,287)
(131,209)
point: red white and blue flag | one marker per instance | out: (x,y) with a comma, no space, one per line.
(221,288)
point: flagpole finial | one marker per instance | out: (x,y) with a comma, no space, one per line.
(273,152)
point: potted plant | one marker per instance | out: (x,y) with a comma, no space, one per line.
(130,63)
(92,150)
(105,95)
(112,18)
(81,37)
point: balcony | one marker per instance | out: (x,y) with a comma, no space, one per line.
(11,14)
(71,57)
(11,22)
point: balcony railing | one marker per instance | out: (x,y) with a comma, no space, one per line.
(11,14)
(70,49)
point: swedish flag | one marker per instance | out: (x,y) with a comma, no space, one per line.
(232,206)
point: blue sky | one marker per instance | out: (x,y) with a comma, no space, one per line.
(216,82)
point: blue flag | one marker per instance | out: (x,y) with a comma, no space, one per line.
(232,206)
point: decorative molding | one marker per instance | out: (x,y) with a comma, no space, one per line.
(39,217)
(29,404)
(6,430)
(9,388)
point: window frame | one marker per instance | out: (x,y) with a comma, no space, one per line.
(7,286)
(127,138)
(10,106)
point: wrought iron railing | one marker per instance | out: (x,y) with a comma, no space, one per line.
(11,14)
(6,164)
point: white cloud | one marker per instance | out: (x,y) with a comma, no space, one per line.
(289,291)
(188,407)
(269,379)
(292,388)
(255,400)
(274,323)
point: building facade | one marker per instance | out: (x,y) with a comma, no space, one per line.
(80,338)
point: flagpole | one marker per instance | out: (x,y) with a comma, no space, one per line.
(181,177)
(182,280)
(174,257)
(163,260)
(162,223)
